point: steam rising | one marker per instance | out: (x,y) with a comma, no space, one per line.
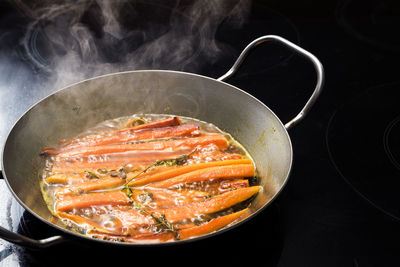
(75,40)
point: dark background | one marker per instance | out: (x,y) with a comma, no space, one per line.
(323,217)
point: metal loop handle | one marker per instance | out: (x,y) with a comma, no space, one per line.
(317,65)
(28,242)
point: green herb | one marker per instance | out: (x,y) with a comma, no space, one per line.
(91,175)
(172,162)
(138,121)
(168,162)
(128,191)
(114,173)
(161,220)
(121,173)
(102,171)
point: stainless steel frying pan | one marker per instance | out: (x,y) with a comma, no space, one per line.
(71,110)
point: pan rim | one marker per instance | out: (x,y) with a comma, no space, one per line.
(229,227)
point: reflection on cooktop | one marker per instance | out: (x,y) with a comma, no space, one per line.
(364,145)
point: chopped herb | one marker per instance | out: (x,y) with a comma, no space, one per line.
(114,174)
(91,175)
(76,191)
(172,162)
(102,171)
(128,191)
(122,173)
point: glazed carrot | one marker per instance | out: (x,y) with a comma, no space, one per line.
(94,184)
(157,124)
(129,218)
(211,205)
(209,227)
(131,233)
(215,155)
(65,167)
(231,185)
(77,219)
(123,224)
(169,198)
(212,152)
(216,139)
(66,178)
(184,169)
(117,159)
(124,137)
(62,167)
(138,173)
(220,186)
(66,203)
(174,121)
(207,174)
(157,198)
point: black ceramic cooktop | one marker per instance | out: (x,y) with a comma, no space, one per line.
(340,206)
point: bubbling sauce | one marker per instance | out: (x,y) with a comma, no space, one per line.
(148,178)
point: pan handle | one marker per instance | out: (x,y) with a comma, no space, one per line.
(317,65)
(28,242)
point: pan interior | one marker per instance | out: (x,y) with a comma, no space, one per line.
(71,110)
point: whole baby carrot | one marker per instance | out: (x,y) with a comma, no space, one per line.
(207,174)
(66,178)
(184,169)
(154,198)
(193,142)
(211,205)
(173,121)
(91,185)
(138,135)
(66,203)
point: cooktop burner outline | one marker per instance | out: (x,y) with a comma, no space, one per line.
(386,142)
(361,185)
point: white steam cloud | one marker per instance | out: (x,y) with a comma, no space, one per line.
(75,40)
